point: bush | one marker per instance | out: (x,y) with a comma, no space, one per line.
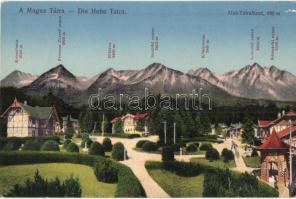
(88,142)
(127,186)
(167,153)
(140,143)
(124,135)
(40,187)
(118,151)
(149,146)
(105,172)
(31,145)
(191,148)
(78,135)
(96,149)
(205,146)
(227,154)
(66,142)
(72,147)
(50,145)
(186,169)
(212,154)
(107,144)
(2,143)
(12,145)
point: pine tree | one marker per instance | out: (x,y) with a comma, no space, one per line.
(69,128)
(248,134)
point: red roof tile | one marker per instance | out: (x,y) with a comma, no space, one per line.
(263,123)
(286,131)
(273,142)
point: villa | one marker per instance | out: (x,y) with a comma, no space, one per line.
(131,121)
(24,120)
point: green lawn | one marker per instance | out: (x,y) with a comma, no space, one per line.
(10,175)
(253,162)
(177,186)
(218,163)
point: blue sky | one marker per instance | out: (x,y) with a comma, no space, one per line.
(179,26)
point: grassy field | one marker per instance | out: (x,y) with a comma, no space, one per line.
(177,186)
(218,163)
(10,175)
(253,162)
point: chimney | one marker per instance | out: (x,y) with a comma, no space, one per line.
(25,103)
(279,114)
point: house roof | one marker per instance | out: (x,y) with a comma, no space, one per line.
(286,132)
(264,123)
(273,142)
(267,123)
(35,112)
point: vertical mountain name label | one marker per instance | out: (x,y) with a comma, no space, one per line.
(18,51)
(205,46)
(254,43)
(154,43)
(274,43)
(61,38)
(111,53)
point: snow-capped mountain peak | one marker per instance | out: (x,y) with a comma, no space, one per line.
(17,79)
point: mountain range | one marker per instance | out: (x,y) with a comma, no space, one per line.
(251,81)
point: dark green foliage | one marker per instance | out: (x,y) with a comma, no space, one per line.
(205,146)
(50,145)
(167,153)
(72,187)
(2,143)
(223,183)
(212,154)
(127,186)
(105,172)
(140,125)
(186,169)
(39,187)
(31,145)
(96,149)
(72,147)
(191,148)
(227,155)
(140,143)
(149,146)
(12,145)
(66,142)
(248,133)
(118,151)
(118,127)
(107,144)
(69,131)
(254,153)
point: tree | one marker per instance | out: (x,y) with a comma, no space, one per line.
(212,154)
(86,121)
(248,133)
(107,144)
(72,147)
(167,153)
(69,128)
(118,127)
(104,124)
(118,151)
(140,125)
(96,149)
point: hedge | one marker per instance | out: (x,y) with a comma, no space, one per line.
(123,135)
(128,185)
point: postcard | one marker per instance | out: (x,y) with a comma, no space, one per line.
(149,99)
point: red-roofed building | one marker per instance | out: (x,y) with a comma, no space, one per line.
(274,159)
(130,123)
(265,127)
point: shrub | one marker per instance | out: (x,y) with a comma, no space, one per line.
(124,135)
(2,143)
(72,147)
(224,151)
(105,172)
(118,151)
(228,155)
(12,145)
(212,154)
(149,146)
(191,148)
(96,149)
(140,143)
(107,144)
(88,142)
(167,153)
(205,146)
(39,187)
(31,145)
(78,135)
(50,145)
(186,169)
(254,153)
(66,142)
(176,147)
